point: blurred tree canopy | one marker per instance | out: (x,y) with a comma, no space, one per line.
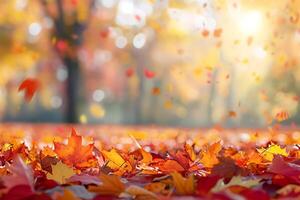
(180,62)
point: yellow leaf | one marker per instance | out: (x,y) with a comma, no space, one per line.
(67,195)
(115,161)
(111,185)
(190,151)
(183,186)
(272,150)
(147,157)
(60,172)
(237,181)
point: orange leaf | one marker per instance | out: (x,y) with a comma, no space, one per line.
(210,153)
(156,91)
(171,166)
(74,153)
(111,185)
(183,186)
(218,32)
(205,33)
(281,116)
(30,86)
(231,114)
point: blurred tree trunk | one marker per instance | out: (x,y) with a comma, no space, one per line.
(70,36)
(72,90)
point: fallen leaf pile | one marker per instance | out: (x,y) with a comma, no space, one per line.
(166,165)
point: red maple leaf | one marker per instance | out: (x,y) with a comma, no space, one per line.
(149,74)
(129,72)
(30,86)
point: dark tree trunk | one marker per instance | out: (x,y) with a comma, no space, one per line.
(72,89)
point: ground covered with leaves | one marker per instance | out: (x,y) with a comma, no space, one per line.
(60,162)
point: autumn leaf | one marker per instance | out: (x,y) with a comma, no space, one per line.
(235,181)
(155,91)
(218,32)
(111,185)
(149,74)
(232,114)
(170,166)
(21,174)
(104,33)
(205,184)
(183,186)
(60,173)
(281,167)
(30,86)
(210,154)
(74,153)
(129,72)
(147,157)
(273,149)
(190,151)
(116,161)
(205,33)
(281,116)
(137,192)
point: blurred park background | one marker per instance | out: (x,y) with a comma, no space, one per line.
(192,63)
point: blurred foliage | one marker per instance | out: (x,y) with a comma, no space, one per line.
(209,59)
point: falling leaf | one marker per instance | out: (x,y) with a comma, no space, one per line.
(97,110)
(104,33)
(137,17)
(30,86)
(60,173)
(129,72)
(183,186)
(281,116)
(155,91)
(83,119)
(218,32)
(111,185)
(74,153)
(149,74)
(205,33)
(235,181)
(231,114)
(168,104)
(62,46)
(273,149)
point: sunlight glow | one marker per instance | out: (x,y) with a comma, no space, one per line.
(250,22)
